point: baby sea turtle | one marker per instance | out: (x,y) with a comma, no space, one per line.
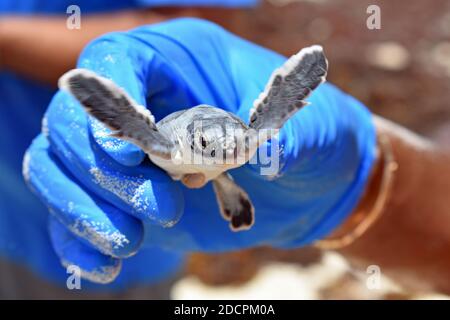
(200,144)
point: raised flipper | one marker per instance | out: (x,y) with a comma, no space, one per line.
(111,105)
(288,87)
(234,203)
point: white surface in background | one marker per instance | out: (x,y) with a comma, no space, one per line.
(293,282)
(388,55)
(273,281)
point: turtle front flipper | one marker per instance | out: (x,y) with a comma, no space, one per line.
(234,203)
(111,105)
(287,89)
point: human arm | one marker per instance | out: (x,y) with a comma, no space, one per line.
(41,47)
(410,240)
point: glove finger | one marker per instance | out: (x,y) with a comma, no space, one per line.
(139,70)
(94,266)
(115,63)
(97,223)
(144,191)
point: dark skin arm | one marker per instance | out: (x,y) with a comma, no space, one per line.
(410,241)
(43,48)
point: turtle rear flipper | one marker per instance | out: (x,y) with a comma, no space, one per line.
(234,203)
(111,105)
(288,87)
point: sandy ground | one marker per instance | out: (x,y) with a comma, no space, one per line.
(329,278)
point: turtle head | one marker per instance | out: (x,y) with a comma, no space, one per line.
(215,135)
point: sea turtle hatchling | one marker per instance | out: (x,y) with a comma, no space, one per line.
(204,132)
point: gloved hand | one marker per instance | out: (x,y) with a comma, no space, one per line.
(101,187)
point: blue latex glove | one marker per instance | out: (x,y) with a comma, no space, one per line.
(80,225)
(24,236)
(90,179)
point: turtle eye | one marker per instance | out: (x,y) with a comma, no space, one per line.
(192,142)
(198,141)
(203,142)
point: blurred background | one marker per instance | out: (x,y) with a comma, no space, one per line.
(401,72)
